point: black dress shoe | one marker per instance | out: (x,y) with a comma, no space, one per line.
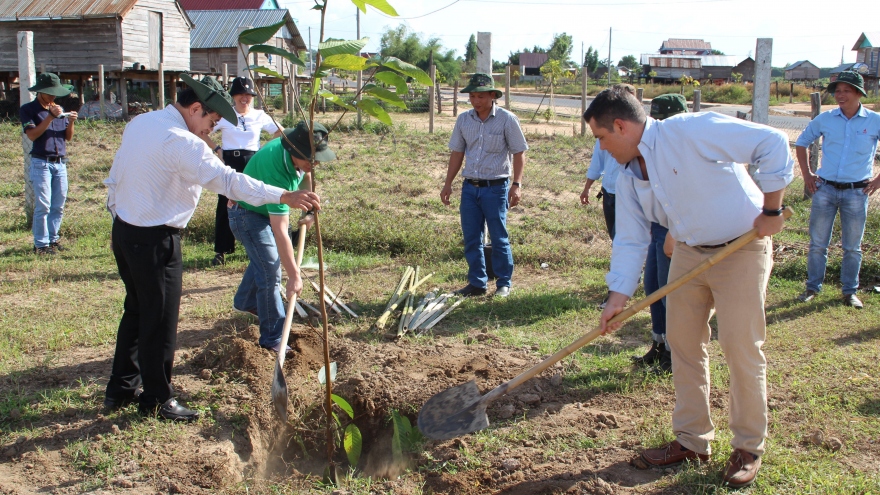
(502,291)
(219,259)
(170,410)
(469,291)
(664,363)
(114,403)
(650,357)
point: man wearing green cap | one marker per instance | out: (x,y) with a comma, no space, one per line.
(493,143)
(842,184)
(262,230)
(49,127)
(153,189)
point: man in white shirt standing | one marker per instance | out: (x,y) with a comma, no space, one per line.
(153,189)
(683,173)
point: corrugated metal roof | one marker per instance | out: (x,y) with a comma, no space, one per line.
(686,44)
(223,4)
(219,28)
(43,9)
(720,60)
(800,62)
(533,59)
(868,39)
(645,57)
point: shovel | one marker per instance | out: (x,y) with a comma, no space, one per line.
(279,384)
(461,409)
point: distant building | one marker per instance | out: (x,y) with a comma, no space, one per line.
(229,4)
(530,65)
(671,67)
(682,46)
(867,50)
(802,70)
(746,68)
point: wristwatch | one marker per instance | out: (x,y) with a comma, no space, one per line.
(773,213)
(218,148)
(515,184)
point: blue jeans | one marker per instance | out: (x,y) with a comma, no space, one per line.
(479,206)
(50,194)
(853,207)
(656,274)
(260,288)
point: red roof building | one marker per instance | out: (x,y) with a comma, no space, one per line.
(678,46)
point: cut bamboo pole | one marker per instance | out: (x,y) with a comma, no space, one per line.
(334,300)
(428,309)
(311,308)
(404,315)
(380,323)
(418,312)
(299,310)
(430,315)
(437,320)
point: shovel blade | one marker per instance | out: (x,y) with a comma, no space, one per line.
(279,393)
(454,412)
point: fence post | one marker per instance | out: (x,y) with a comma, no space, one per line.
(815,110)
(583,100)
(103,113)
(439,97)
(455,99)
(698,96)
(123,96)
(226,76)
(27,77)
(161,87)
(791,93)
(507,89)
(640,94)
(433,75)
(761,95)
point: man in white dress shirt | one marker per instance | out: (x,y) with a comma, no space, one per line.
(153,189)
(684,173)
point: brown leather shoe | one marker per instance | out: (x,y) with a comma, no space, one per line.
(671,454)
(741,469)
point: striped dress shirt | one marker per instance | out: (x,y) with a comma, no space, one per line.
(488,146)
(159,172)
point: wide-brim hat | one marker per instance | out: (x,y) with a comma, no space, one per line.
(854,79)
(480,83)
(50,84)
(212,95)
(242,85)
(299,136)
(667,105)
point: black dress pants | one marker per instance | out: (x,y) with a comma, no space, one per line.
(151,267)
(224,241)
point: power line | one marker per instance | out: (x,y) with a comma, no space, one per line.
(419,16)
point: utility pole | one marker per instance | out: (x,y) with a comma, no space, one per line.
(311,62)
(582,53)
(360,73)
(609,56)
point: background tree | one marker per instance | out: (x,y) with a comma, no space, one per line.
(399,42)
(552,71)
(718,52)
(652,75)
(560,49)
(591,60)
(470,51)
(631,63)
(737,77)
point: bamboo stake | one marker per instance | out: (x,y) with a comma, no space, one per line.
(404,316)
(338,301)
(427,312)
(421,307)
(400,285)
(429,316)
(311,308)
(431,325)
(299,310)
(380,323)
(329,297)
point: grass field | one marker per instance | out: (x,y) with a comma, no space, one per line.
(382,212)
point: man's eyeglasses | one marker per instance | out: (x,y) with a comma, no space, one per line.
(241,121)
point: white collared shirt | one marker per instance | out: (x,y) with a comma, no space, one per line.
(159,171)
(698,188)
(245,134)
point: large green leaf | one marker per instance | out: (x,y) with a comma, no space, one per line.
(380,5)
(265,70)
(373,108)
(334,98)
(384,95)
(402,427)
(342,47)
(407,69)
(393,79)
(344,62)
(343,404)
(353,443)
(257,36)
(277,51)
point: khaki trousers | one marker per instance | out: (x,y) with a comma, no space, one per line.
(736,287)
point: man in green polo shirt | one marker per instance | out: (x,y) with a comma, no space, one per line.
(262,230)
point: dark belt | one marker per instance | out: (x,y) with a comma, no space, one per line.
(173,230)
(244,153)
(486,183)
(847,185)
(716,246)
(50,159)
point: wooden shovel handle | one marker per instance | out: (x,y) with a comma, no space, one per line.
(625,314)
(291,305)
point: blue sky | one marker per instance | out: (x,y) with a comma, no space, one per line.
(800,30)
